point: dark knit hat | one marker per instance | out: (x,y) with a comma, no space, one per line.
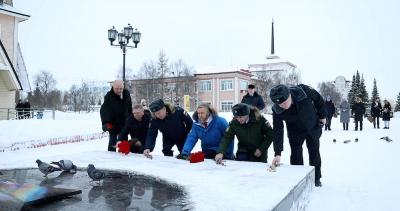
(241,109)
(156,105)
(251,86)
(279,93)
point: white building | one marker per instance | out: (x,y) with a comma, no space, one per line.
(342,85)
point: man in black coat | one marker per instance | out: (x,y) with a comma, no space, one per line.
(376,110)
(358,111)
(253,98)
(330,109)
(19,109)
(136,126)
(303,110)
(115,110)
(173,122)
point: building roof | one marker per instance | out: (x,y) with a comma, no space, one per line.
(9,10)
(212,70)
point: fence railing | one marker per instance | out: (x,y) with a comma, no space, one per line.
(24,113)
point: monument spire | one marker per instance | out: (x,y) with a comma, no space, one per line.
(272,39)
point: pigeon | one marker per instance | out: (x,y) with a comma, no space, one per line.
(94,174)
(356,140)
(46,168)
(66,165)
(346,141)
(386,138)
(334,140)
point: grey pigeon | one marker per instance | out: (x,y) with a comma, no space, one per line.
(66,165)
(94,174)
(356,140)
(46,168)
(346,141)
(386,138)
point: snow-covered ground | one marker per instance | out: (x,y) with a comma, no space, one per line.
(356,176)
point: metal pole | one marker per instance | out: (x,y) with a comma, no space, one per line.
(123,63)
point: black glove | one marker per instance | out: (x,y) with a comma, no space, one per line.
(182,157)
(104,127)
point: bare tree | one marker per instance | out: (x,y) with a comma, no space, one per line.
(45,82)
(328,89)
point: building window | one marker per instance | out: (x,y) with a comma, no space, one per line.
(205,86)
(243,84)
(226,85)
(226,106)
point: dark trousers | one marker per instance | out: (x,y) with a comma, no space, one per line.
(361,124)
(345,126)
(328,123)
(112,141)
(296,157)
(376,121)
(167,147)
(249,156)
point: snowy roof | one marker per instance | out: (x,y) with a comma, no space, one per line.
(214,70)
(9,10)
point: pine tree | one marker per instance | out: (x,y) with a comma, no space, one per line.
(350,96)
(357,91)
(374,94)
(397,108)
(363,91)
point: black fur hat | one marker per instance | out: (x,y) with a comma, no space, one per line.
(241,109)
(156,105)
(279,93)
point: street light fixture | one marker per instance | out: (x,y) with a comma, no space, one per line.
(123,40)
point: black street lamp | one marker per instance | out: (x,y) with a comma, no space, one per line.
(123,39)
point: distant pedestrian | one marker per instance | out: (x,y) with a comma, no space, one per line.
(376,110)
(331,110)
(386,112)
(358,111)
(253,98)
(115,110)
(19,109)
(345,114)
(26,109)
(303,110)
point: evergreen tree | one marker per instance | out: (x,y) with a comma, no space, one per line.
(357,91)
(350,96)
(397,108)
(374,93)
(363,91)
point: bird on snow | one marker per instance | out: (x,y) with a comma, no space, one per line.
(94,174)
(386,138)
(346,141)
(66,165)
(46,168)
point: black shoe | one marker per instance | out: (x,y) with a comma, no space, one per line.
(318,183)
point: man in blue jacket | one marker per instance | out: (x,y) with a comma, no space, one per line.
(173,122)
(303,110)
(209,128)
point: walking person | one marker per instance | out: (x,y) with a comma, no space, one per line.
(358,111)
(345,114)
(303,110)
(386,112)
(331,110)
(115,110)
(376,110)
(253,98)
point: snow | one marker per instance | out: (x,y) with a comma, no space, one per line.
(356,176)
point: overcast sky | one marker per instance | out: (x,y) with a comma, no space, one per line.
(323,38)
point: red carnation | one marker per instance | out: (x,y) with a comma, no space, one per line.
(124,147)
(197,157)
(109,126)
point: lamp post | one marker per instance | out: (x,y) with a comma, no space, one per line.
(123,40)
(176,100)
